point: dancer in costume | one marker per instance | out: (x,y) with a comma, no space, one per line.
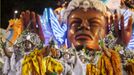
(42,62)
(28,42)
(60,11)
(23,46)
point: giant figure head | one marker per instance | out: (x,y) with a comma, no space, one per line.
(87,23)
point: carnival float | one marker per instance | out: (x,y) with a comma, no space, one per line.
(82,37)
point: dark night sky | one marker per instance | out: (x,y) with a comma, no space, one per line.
(8,7)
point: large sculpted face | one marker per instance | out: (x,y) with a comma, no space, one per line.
(86,27)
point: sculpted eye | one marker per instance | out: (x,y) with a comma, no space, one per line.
(75,23)
(94,24)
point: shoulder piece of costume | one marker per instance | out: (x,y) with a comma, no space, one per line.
(32,37)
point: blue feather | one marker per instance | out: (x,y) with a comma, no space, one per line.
(52,28)
(11,34)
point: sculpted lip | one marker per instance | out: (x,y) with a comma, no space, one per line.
(83,37)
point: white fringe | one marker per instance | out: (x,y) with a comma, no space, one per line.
(79,69)
(6,66)
(13,62)
(19,67)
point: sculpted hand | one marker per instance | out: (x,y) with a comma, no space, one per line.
(32,21)
(123,33)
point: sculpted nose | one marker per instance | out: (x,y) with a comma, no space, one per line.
(85,25)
